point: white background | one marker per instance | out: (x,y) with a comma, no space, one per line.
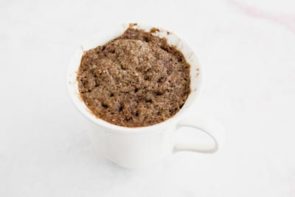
(247,51)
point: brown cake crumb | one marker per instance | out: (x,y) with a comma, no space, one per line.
(134,80)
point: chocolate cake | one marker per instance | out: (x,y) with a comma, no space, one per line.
(134,80)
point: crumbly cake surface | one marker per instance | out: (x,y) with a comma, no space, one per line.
(134,80)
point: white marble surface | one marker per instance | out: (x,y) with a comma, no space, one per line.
(247,50)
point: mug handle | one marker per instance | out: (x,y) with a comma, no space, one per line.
(214,130)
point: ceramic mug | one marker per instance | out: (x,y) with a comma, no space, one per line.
(142,146)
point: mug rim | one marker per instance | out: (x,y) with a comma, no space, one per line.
(81,106)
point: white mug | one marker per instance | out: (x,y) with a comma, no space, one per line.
(142,146)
